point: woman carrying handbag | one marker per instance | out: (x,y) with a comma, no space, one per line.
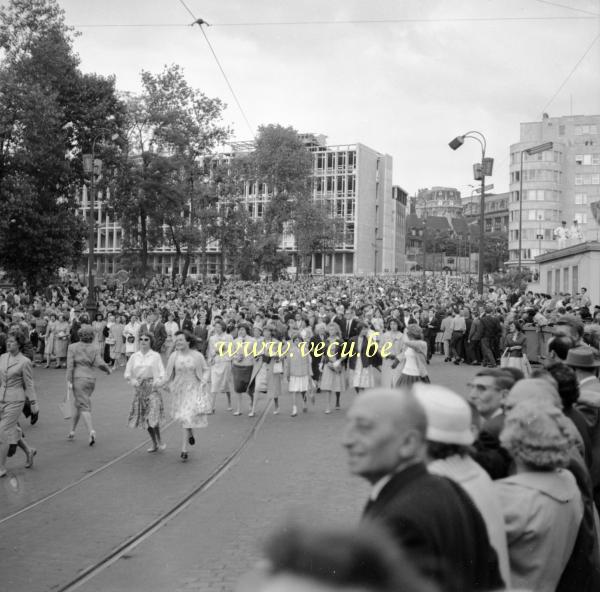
(515,349)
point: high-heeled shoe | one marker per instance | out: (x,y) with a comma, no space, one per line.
(191,440)
(71,436)
(92,438)
(32,452)
(184,456)
(162,447)
(294,411)
(152,449)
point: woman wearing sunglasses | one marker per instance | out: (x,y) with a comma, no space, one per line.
(144,371)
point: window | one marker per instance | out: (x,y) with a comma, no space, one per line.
(575,277)
(352,159)
(549,282)
(581,218)
(561,130)
(566,278)
(580,199)
(557,280)
(330,160)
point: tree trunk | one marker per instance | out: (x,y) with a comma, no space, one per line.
(186,264)
(176,258)
(143,242)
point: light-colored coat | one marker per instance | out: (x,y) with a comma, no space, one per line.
(477,483)
(542,514)
(16,378)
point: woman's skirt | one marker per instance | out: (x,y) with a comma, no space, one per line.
(363,376)
(241,379)
(332,381)
(389,375)
(408,379)
(9,416)
(191,403)
(521,363)
(82,391)
(220,377)
(147,410)
(298,384)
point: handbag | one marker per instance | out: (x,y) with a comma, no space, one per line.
(110,341)
(66,407)
(130,339)
(278,367)
(504,359)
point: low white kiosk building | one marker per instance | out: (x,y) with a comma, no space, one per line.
(570,269)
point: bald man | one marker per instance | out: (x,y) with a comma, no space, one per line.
(432,518)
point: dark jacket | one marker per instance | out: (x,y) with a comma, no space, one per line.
(490,327)
(361,350)
(438,526)
(487,449)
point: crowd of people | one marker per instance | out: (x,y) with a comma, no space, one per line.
(498,486)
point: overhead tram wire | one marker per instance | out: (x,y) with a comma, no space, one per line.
(200,22)
(589,48)
(574,8)
(467,19)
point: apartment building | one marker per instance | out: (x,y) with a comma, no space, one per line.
(559,184)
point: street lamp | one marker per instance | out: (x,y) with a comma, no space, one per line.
(480,171)
(93,166)
(529,152)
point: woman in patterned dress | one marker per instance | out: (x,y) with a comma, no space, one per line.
(188,375)
(98,326)
(144,371)
(131,334)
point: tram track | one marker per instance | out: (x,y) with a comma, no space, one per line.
(77,482)
(166,516)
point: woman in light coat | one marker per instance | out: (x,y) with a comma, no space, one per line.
(61,340)
(542,504)
(49,339)
(16,386)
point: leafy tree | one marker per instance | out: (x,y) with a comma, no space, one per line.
(49,112)
(175,128)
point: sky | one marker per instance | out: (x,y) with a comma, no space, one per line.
(432,70)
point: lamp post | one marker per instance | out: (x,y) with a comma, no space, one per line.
(481,171)
(424,242)
(529,152)
(93,166)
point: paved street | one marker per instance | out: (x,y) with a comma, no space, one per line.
(289,467)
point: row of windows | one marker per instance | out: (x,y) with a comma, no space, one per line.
(587,159)
(548,215)
(565,287)
(536,175)
(533,234)
(339,184)
(546,156)
(581,199)
(537,195)
(581,130)
(331,160)
(513,254)
(587,179)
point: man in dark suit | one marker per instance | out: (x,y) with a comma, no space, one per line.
(156,328)
(431,321)
(432,518)
(349,326)
(491,330)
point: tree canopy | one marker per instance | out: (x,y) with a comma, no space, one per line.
(49,114)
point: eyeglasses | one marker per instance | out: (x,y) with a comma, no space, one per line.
(144,339)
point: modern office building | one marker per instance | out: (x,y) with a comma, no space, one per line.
(559,184)
(353,181)
(438,201)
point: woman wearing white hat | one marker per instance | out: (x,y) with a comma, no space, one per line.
(449,436)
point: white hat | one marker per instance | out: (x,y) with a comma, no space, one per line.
(448,414)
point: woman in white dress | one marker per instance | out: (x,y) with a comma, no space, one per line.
(144,371)
(220,363)
(413,360)
(390,372)
(49,339)
(187,376)
(131,335)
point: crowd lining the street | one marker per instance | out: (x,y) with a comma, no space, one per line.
(483,490)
